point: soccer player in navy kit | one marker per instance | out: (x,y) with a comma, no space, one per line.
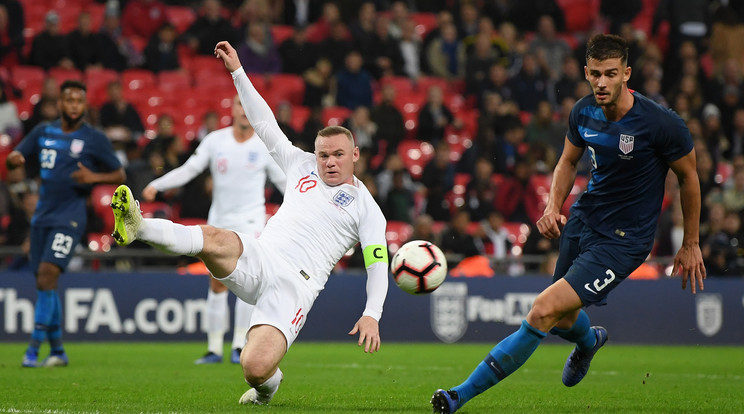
(632,143)
(72,155)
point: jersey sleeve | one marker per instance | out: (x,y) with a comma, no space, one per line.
(30,143)
(675,140)
(262,119)
(573,133)
(105,155)
(276,175)
(374,248)
(193,166)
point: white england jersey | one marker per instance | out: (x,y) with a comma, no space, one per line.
(316,223)
(239,171)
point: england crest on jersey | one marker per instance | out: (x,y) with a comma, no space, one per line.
(342,198)
(626,143)
(76,147)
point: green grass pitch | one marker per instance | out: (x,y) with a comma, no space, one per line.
(340,378)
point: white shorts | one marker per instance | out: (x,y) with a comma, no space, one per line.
(282,296)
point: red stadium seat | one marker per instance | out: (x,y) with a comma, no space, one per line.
(61,75)
(138,79)
(402,84)
(25,76)
(397,233)
(458,143)
(578,188)
(100,242)
(280,33)
(424,83)
(156,209)
(97,81)
(300,115)
(580,14)
(100,198)
(181,17)
(425,23)
(287,87)
(335,115)
(173,80)
(415,155)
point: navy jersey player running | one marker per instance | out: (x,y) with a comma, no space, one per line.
(72,155)
(632,143)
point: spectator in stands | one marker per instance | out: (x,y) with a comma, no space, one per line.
(438,179)
(83,44)
(715,140)
(530,85)
(386,59)
(733,197)
(161,52)
(210,122)
(310,130)
(11,34)
(445,54)
(434,117)
(456,239)
(363,29)
(544,130)
(337,45)
(479,63)
(399,201)
(411,50)
(143,18)
(389,120)
(736,135)
(166,144)
(353,83)
(571,75)
(284,119)
(300,13)
(49,48)
(480,192)
(722,251)
(209,28)
(498,83)
(363,129)
(444,17)
(116,111)
(468,21)
(619,12)
(392,165)
(321,28)
(511,199)
(526,13)
(318,81)
(670,230)
(117,51)
(10,123)
(496,240)
(399,15)
(297,54)
(423,229)
(258,52)
(688,20)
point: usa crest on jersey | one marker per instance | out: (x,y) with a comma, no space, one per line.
(626,143)
(76,147)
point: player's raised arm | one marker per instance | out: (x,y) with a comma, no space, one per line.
(689,260)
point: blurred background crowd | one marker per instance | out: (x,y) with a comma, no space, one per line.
(460,107)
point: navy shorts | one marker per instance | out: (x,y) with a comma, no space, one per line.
(54,245)
(594,264)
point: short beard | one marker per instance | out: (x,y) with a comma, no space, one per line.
(72,121)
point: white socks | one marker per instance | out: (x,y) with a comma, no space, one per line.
(267,390)
(171,237)
(216,322)
(243,312)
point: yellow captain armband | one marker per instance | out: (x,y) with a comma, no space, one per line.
(375,253)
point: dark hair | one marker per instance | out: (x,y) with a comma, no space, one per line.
(607,46)
(71,83)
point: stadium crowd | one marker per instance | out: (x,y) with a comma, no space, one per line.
(460,107)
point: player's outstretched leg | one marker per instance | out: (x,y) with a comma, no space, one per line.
(262,394)
(577,364)
(127,215)
(505,358)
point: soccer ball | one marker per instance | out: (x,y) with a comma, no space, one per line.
(419,267)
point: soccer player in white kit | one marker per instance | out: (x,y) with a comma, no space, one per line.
(239,164)
(326,211)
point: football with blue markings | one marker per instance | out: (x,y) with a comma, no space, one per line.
(419,267)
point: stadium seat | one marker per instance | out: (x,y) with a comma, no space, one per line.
(181,17)
(137,79)
(300,115)
(25,76)
(97,80)
(518,233)
(61,75)
(415,155)
(578,188)
(458,143)
(537,193)
(156,209)
(173,80)
(280,33)
(335,115)
(287,87)
(402,84)
(580,15)
(397,234)
(100,242)
(207,64)
(100,198)
(425,23)
(424,83)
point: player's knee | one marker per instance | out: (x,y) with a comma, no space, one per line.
(256,370)
(47,276)
(543,314)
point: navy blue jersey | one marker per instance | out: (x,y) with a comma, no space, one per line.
(61,199)
(630,161)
